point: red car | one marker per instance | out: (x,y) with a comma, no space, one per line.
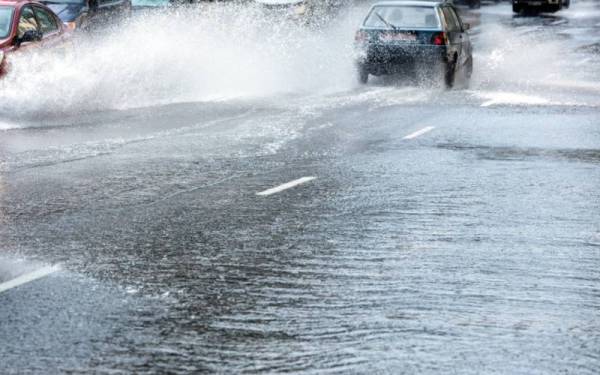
(27,24)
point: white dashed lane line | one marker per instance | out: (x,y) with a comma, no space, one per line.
(288,185)
(28,277)
(419,132)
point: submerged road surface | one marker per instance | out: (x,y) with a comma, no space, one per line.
(388,228)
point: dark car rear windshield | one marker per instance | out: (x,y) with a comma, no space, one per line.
(405,17)
(6,14)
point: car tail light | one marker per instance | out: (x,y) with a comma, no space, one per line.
(361,36)
(439,39)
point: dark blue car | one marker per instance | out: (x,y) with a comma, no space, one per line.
(81,14)
(408,37)
(539,5)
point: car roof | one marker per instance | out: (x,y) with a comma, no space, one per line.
(278,2)
(16,2)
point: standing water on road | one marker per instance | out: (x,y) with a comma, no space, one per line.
(437,231)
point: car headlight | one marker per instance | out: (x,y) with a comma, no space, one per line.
(300,9)
(71,25)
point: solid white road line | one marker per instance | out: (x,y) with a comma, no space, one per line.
(419,132)
(28,277)
(286,186)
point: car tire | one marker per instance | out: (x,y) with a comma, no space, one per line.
(469,68)
(82,22)
(566,4)
(516,8)
(474,4)
(363,75)
(127,9)
(554,9)
(449,74)
(467,73)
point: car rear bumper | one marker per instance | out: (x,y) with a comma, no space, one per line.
(379,59)
(537,3)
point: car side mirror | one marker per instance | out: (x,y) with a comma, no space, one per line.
(29,36)
(467,26)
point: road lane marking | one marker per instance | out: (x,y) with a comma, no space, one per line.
(28,277)
(288,185)
(509,98)
(419,132)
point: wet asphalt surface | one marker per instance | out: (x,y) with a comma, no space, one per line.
(471,248)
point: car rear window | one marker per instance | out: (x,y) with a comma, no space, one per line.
(6,15)
(406,17)
(150,3)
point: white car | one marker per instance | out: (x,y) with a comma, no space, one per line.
(290,8)
(301,9)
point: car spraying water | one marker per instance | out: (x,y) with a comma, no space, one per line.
(222,196)
(409,37)
(26,26)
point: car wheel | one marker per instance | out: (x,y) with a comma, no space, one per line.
(363,75)
(555,9)
(450,74)
(469,68)
(467,73)
(127,9)
(516,8)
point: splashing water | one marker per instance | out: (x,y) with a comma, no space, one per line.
(214,52)
(536,65)
(190,54)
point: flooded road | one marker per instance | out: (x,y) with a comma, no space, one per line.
(434,231)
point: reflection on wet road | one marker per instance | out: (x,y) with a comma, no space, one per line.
(444,231)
